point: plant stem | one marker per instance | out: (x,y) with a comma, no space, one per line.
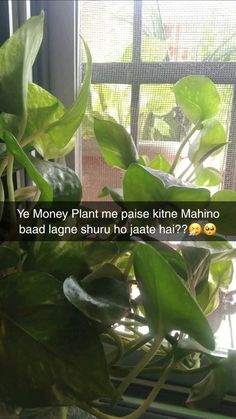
(136,344)
(129,265)
(191,174)
(120,347)
(185,170)
(152,395)
(183,143)
(3,165)
(141,409)
(63,411)
(10,187)
(139,366)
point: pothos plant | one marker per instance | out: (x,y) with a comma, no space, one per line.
(61,302)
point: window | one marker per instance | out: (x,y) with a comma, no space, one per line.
(140,49)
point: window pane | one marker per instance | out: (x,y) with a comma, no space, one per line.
(107,27)
(189,30)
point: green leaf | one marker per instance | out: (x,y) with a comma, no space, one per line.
(172,257)
(209,392)
(167,302)
(222,273)
(144,160)
(207,294)
(19,154)
(115,193)
(145,184)
(49,350)
(43,108)
(211,135)
(162,127)
(2,198)
(8,257)
(17,56)
(102,295)
(197,97)
(198,263)
(58,258)
(64,259)
(224,196)
(63,180)
(223,256)
(58,138)
(160,163)
(227,211)
(207,176)
(115,143)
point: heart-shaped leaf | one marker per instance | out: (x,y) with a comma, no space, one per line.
(115,143)
(64,181)
(197,97)
(102,295)
(50,353)
(222,273)
(160,163)
(167,302)
(211,135)
(17,56)
(207,176)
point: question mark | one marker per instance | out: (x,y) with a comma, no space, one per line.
(178,227)
(185,227)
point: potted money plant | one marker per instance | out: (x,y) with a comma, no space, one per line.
(69,317)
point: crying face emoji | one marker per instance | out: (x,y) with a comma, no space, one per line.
(209,229)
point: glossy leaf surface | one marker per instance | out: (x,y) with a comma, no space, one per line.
(167,302)
(115,143)
(207,176)
(17,56)
(102,295)
(211,135)
(197,97)
(63,180)
(50,353)
(160,163)
(146,184)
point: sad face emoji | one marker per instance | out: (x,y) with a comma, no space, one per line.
(209,229)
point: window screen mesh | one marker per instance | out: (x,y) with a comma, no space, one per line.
(189,31)
(107,27)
